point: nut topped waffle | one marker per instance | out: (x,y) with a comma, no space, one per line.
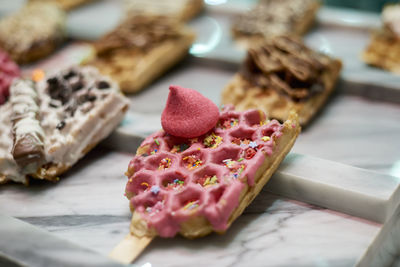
(197,185)
(140,49)
(182,10)
(281,75)
(33,32)
(384,48)
(270,18)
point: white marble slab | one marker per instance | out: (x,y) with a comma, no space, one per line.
(337,186)
(23,244)
(287,233)
(384,251)
(87,206)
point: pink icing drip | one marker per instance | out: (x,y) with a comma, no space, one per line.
(176,193)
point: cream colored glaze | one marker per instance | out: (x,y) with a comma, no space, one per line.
(23,98)
(66,146)
(391,18)
(8,167)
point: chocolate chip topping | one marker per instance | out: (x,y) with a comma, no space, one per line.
(142,32)
(103,85)
(60,125)
(286,65)
(71,90)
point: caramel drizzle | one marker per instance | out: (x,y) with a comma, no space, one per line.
(287,66)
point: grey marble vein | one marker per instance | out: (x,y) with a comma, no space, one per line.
(24,245)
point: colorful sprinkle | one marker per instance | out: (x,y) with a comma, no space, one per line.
(210,180)
(191,205)
(144,185)
(265,138)
(229,123)
(156,208)
(228,163)
(236,173)
(179,148)
(176,184)
(38,75)
(177,181)
(156,141)
(253,144)
(241,159)
(192,162)
(212,141)
(165,164)
(155,189)
(240,142)
(249,153)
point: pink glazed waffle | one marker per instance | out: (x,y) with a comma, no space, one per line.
(194,186)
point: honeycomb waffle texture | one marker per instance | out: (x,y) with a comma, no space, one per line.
(201,180)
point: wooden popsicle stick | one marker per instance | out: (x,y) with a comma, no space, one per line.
(130,248)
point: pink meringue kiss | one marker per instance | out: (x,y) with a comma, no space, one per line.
(188,113)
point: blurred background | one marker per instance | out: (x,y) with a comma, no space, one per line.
(367,5)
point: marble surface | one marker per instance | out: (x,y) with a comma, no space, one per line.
(358,127)
(337,186)
(87,207)
(37,247)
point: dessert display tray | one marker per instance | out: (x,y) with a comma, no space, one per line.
(313,212)
(88,208)
(342,33)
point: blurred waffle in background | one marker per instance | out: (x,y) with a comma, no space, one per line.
(281,75)
(66,4)
(140,49)
(271,18)
(384,49)
(32,32)
(183,10)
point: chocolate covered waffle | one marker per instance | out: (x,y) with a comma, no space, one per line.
(383,50)
(199,173)
(33,32)
(182,10)
(281,75)
(58,120)
(271,18)
(140,49)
